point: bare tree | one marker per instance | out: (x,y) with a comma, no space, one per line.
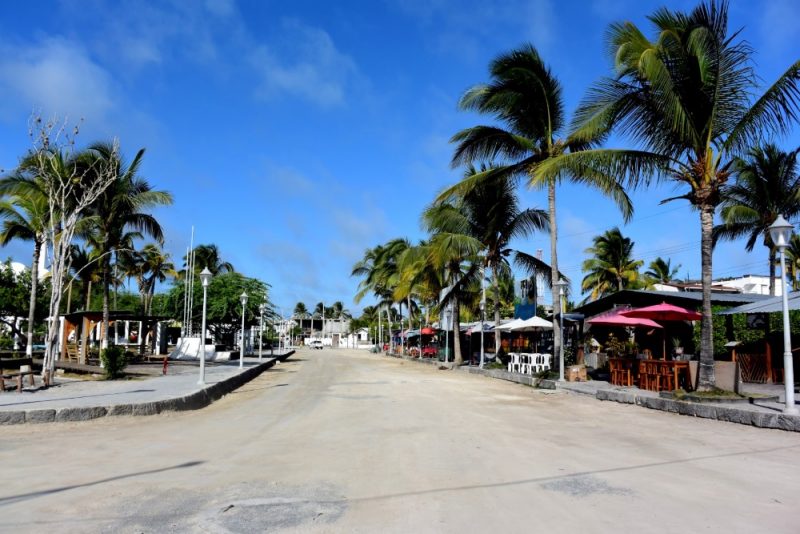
(72,183)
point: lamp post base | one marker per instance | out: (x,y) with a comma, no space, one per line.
(791,411)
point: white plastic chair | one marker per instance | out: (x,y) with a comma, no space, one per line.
(546,361)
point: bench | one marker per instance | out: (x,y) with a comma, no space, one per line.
(16,368)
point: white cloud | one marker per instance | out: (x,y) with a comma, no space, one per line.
(221,8)
(56,76)
(310,67)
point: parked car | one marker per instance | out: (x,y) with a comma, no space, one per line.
(315,344)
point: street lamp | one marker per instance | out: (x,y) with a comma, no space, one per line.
(261,309)
(561,284)
(781,231)
(483,309)
(205,278)
(243,299)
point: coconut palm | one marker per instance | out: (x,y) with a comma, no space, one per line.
(120,210)
(208,256)
(25,215)
(300,310)
(380,271)
(685,100)
(767,185)
(84,268)
(489,213)
(660,271)
(611,267)
(157,267)
(525,97)
(793,261)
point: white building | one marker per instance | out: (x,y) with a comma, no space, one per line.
(748,284)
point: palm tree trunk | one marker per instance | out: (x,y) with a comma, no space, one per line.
(37,250)
(457,359)
(551,206)
(706,379)
(88,294)
(772,271)
(496,311)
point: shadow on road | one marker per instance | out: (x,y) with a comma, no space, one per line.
(32,495)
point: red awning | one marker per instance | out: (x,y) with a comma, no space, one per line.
(617,319)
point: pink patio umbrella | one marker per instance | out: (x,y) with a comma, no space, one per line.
(663,312)
(617,319)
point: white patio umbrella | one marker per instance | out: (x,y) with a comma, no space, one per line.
(510,325)
(534,323)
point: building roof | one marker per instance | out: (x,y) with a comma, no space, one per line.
(767,305)
(688,299)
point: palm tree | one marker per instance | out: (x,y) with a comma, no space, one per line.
(157,267)
(767,185)
(119,210)
(685,101)
(381,273)
(208,256)
(611,267)
(25,215)
(525,97)
(793,261)
(660,271)
(84,268)
(489,214)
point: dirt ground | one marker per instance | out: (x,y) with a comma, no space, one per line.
(346,441)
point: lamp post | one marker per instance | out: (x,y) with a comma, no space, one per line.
(261,330)
(205,278)
(243,299)
(781,231)
(483,308)
(561,285)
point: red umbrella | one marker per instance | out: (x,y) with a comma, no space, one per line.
(664,312)
(427,331)
(618,319)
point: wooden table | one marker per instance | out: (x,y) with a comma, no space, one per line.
(622,371)
(677,368)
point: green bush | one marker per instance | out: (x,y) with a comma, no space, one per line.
(114,361)
(6,342)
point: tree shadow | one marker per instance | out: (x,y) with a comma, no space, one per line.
(41,493)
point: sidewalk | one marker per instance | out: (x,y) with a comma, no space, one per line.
(79,400)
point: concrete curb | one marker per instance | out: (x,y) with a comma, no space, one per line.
(728,414)
(192,401)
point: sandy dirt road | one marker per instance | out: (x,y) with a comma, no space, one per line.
(345,441)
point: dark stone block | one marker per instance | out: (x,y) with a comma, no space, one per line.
(12,418)
(40,416)
(121,409)
(81,414)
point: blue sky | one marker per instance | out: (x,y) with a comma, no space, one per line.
(294,135)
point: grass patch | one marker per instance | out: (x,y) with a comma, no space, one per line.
(494,365)
(717,394)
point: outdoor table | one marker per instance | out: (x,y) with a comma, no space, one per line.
(652,369)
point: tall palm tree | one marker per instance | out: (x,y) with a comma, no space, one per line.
(381,273)
(611,267)
(685,100)
(793,261)
(121,209)
(84,268)
(660,271)
(489,214)
(525,97)
(157,267)
(208,256)
(767,185)
(25,216)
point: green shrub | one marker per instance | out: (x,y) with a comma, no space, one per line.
(114,361)
(6,342)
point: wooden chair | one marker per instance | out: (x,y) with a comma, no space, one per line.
(653,379)
(667,376)
(643,378)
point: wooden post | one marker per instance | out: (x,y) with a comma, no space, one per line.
(770,378)
(84,339)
